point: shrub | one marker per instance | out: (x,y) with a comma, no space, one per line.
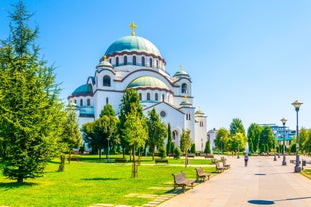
(177,153)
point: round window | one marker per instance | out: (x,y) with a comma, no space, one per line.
(162,114)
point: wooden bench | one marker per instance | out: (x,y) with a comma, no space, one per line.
(209,156)
(120,160)
(191,155)
(161,161)
(224,163)
(201,174)
(219,168)
(180,180)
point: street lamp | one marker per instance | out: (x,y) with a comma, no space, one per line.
(283,120)
(297,105)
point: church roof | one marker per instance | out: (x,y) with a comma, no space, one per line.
(132,43)
(148,81)
(85,89)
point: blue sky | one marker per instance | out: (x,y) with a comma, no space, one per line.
(248,59)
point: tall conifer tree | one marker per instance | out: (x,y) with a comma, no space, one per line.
(31,115)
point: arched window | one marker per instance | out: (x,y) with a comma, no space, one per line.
(156,96)
(175,134)
(75,101)
(134,60)
(140,96)
(88,102)
(157,64)
(163,97)
(106,81)
(148,96)
(184,88)
(81,102)
(143,61)
(107,100)
(117,61)
(110,60)
(125,60)
(150,62)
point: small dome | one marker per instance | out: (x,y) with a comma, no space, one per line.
(148,82)
(133,43)
(181,73)
(85,89)
(185,102)
(199,112)
(104,64)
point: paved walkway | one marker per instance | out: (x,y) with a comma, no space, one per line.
(263,183)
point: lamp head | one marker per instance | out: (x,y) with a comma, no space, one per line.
(297,105)
(283,120)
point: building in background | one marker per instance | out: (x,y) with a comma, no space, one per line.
(279,132)
(133,62)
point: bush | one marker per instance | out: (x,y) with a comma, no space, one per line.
(162,152)
(192,150)
(177,153)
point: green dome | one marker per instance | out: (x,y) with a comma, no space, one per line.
(133,43)
(148,81)
(85,89)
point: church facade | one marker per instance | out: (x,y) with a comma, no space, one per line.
(135,62)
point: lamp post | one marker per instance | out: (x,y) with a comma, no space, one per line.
(297,105)
(274,132)
(283,120)
(278,147)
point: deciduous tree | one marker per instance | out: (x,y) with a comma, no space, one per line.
(185,143)
(157,132)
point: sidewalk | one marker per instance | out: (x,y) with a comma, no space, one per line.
(263,183)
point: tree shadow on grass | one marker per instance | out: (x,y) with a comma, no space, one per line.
(102,179)
(13,185)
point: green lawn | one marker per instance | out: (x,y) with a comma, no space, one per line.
(87,182)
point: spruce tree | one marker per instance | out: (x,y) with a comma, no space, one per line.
(31,115)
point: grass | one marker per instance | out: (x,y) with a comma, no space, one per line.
(306,173)
(144,160)
(88,182)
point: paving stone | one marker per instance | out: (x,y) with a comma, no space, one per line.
(132,195)
(147,196)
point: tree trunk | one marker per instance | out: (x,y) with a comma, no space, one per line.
(134,166)
(99,153)
(186,159)
(61,167)
(69,159)
(20,178)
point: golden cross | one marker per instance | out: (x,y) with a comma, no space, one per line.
(180,68)
(133,26)
(105,57)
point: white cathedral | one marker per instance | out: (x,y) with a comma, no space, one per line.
(135,62)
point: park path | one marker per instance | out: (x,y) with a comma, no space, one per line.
(263,183)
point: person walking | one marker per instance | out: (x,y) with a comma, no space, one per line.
(245,158)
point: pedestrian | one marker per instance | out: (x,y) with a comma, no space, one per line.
(245,158)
